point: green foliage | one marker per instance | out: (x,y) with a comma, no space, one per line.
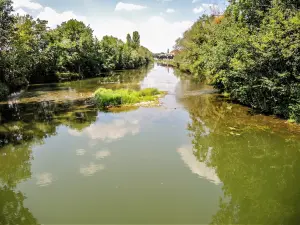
(252,53)
(128,40)
(149,92)
(4,91)
(108,97)
(136,42)
(33,53)
(6,22)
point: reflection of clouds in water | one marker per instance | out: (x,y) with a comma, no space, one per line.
(109,131)
(111,127)
(115,130)
(102,154)
(163,81)
(44,179)
(80,152)
(197,167)
(74,133)
(91,169)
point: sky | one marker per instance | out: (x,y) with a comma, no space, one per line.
(159,22)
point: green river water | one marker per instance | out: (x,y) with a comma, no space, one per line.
(196,159)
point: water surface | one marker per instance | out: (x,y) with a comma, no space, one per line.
(197,159)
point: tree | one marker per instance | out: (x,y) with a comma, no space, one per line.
(75,41)
(6,28)
(31,52)
(251,53)
(6,23)
(136,40)
(129,40)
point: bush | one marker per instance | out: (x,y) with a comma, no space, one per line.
(149,92)
(107,97)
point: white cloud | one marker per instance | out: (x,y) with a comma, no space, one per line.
(206,8)
(198,10)
(54,18)
(157,33)
(26,4)
(209,6)
(20,12)
(170,10)
(128,7)
(194,1)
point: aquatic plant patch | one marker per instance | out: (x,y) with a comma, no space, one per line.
(110,98)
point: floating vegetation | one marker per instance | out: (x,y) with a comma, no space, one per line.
(106,98)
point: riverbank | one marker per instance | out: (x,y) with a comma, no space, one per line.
(250,53)
(227,95)
(69,51)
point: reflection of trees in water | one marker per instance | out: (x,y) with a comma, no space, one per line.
(15,167)
(27,124)
(23,126)
(15,164)
(260,168)
(127,76)
(36,121)
(12,208)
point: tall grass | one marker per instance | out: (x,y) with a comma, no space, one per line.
(108,97)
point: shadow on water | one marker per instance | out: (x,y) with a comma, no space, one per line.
(257,158)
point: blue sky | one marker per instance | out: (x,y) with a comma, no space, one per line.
(160,22)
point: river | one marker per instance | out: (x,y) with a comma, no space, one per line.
(196,159)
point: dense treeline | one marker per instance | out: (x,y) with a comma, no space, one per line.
(30,52)
(252,53)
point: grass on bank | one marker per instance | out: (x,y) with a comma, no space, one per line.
(122,97)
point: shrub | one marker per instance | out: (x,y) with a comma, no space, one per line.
(107,97)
